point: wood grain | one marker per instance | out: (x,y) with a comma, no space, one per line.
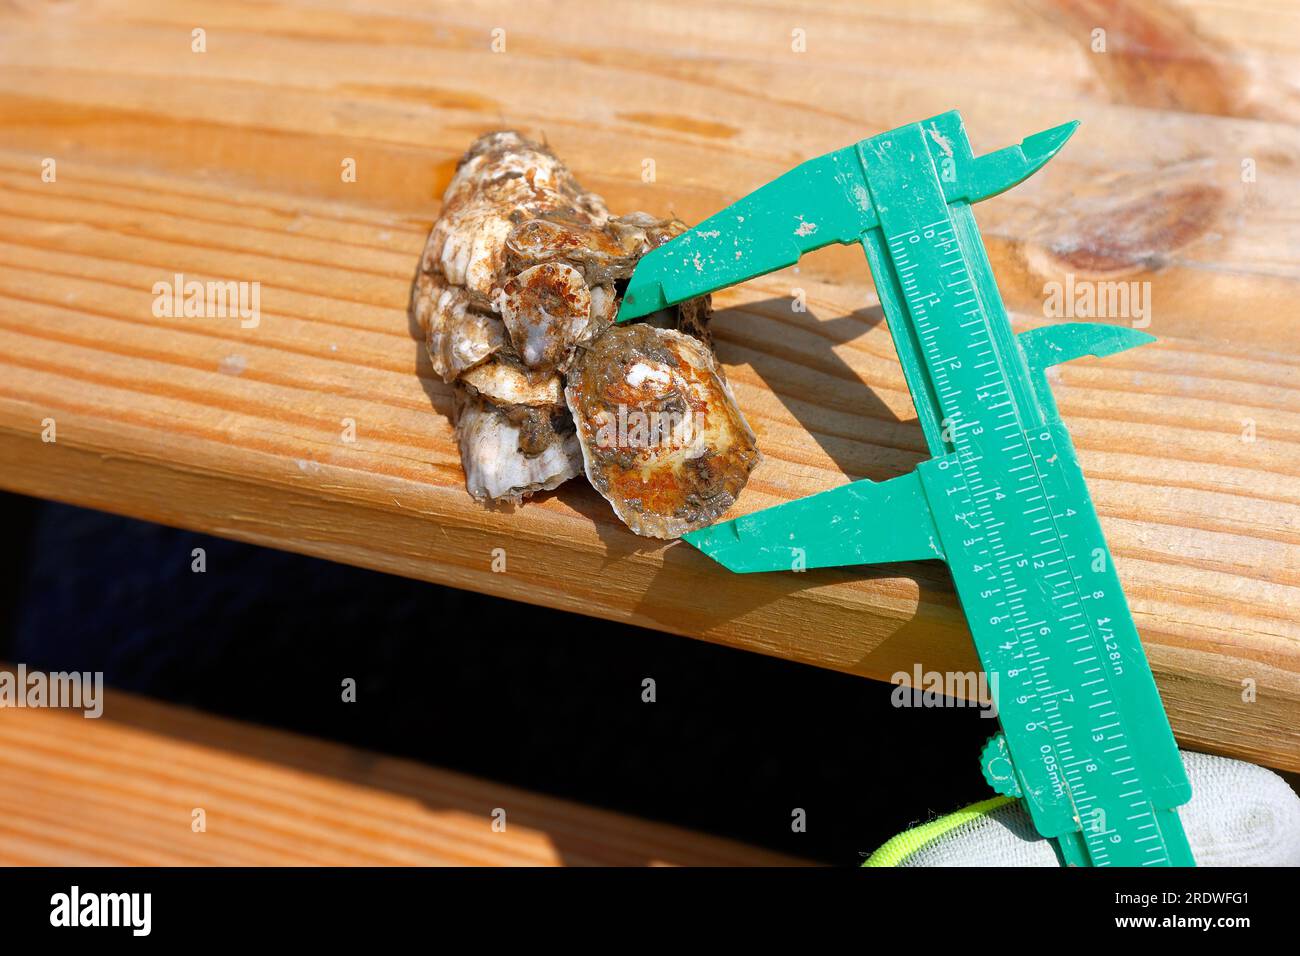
(225,165)
(122,790)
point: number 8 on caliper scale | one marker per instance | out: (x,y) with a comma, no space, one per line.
(1085,742)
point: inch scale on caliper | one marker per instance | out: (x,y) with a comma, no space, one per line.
(1085,741)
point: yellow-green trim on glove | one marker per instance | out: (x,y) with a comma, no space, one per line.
(899,848)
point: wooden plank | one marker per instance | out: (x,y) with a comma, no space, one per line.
(283,94)
(122,790)
(225,165)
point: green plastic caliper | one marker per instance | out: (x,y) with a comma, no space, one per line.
(1085,742)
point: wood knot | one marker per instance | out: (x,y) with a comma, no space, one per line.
(1129,227)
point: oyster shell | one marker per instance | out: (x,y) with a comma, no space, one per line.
(662,437)
(516,294)
(505,384)
(502,181)
(596,253)
(457,336)
(547,311)
(489,452)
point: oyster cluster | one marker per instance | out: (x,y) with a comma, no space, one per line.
(516,296)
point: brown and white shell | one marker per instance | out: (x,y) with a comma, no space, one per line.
(662,437)
(516,296)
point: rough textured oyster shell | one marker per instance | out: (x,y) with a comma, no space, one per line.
(517,290)
(547,311)
(662,437)
(494,468)
(457,336)
(505,383)
(503,180)
(595,252)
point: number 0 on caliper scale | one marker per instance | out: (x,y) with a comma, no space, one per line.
(1085,742)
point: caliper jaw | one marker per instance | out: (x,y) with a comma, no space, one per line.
(1051,345)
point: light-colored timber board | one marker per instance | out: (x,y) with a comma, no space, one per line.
(225,165)
(122,790)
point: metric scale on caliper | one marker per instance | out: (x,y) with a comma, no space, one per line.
(1085,742)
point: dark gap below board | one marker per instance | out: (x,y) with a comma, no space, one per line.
(532,697)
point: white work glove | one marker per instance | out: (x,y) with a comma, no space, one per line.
(1239,815)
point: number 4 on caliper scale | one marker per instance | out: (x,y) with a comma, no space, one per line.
(1085,742)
